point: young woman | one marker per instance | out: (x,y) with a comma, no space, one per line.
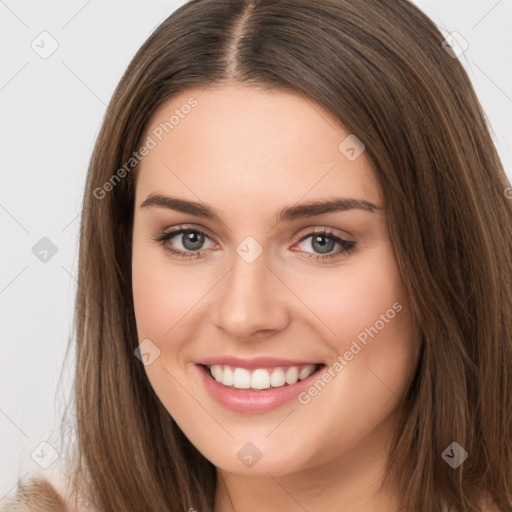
(295,273)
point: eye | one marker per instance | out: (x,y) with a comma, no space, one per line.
(192,241)
(324,241)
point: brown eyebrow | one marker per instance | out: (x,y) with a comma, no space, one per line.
(285,214)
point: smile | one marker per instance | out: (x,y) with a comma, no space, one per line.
(262,386)
(260,378)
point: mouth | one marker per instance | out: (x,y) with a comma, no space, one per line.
(260,379)
(259,387)
(257,384)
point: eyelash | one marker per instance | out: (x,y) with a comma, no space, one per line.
(347,245)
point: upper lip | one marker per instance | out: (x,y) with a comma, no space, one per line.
(255,362)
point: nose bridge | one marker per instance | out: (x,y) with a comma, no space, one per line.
(248,299)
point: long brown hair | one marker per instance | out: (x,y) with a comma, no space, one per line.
(380,68)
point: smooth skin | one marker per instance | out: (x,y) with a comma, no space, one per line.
(247,153)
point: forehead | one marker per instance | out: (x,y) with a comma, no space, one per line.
(261,147)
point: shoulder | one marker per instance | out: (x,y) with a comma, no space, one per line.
(46,492)
(35,495)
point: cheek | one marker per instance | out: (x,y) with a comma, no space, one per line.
(349,299)
(365,317)
(375,340)
(157,303)
(162,297)
(163,293)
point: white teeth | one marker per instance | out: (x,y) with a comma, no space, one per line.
(292,375)
(261,378)
(241,378)
(306,371)
(217,373)
(277,378)
(227,376)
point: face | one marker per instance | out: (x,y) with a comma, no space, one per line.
(250,285)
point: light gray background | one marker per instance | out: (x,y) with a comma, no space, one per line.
(51,111)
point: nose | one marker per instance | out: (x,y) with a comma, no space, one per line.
(251,300)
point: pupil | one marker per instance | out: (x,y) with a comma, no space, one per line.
(324,247)
(189,237)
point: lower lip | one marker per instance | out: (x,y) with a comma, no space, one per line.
(248,401)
